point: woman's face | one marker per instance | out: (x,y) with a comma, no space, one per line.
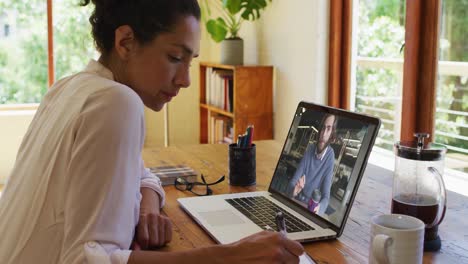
(157,70)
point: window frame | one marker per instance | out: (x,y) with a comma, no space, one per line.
(339,53)
(419,69)
(50,44)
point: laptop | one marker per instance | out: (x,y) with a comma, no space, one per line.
(314,184)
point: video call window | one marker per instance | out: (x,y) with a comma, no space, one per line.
(317,162)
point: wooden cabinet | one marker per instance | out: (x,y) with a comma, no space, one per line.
(236,96)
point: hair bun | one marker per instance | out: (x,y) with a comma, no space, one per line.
(95,2)
(147,18)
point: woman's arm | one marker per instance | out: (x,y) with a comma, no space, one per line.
(101,199)
(149,180)
(153,230)
(263,247)
(150,201)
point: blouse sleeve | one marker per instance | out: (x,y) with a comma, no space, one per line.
(149,180)
(102,195)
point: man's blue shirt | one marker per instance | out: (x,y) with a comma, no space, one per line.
(318,172)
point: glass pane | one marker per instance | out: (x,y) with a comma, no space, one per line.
(379,64)
(452,89)
(23,51)
(73,43)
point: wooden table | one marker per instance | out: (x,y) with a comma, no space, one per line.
(374,197)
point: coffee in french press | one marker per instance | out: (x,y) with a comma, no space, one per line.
(418,186)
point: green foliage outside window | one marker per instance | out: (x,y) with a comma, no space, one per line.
(453,90)
(23,54)
(381,35)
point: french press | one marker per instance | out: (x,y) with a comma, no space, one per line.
(418,186)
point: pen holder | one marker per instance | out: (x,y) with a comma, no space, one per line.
(242,168)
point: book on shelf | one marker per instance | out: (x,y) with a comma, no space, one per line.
(219,88)
(168,174)
(220,128)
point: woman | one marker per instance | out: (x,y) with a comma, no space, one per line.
(79,192)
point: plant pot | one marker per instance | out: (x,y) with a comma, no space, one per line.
(232,51)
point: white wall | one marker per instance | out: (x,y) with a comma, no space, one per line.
(13,126)
(293,37)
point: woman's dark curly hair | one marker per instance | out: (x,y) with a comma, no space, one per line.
(147,18)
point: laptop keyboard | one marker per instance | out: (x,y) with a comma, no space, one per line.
(263,211)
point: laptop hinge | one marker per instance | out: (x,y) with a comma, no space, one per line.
(304,212)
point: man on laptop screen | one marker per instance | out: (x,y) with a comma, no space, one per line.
(316,165)
(313,186)
(312,180)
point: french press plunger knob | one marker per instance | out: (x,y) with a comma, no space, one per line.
(421,137)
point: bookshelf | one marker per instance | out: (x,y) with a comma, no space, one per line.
(233,97)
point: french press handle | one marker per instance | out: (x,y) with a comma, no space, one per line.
(443,194)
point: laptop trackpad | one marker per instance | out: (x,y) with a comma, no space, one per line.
(221,217)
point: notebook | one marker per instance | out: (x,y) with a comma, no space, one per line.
(314,184)
(168,174)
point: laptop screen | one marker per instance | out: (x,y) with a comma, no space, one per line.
(321,160)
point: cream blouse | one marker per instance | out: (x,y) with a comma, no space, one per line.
(74,193)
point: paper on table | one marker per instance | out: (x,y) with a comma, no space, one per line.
(305,259)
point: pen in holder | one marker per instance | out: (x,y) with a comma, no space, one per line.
(242,168)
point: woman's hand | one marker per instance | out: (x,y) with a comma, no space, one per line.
(265,247)
(153,229)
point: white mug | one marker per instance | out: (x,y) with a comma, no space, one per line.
(396,238)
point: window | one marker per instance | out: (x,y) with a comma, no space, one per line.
(451,126)
(378,77)
(24,47)
(6,30)
(395,73)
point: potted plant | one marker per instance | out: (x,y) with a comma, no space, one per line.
(225,28)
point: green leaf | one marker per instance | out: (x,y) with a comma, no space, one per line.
(251,8)
(233,6)
(218,29)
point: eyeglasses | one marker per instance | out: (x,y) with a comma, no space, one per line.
(198,188)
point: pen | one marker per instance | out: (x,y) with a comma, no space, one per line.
(280,223)
(245,140)
(251,135)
